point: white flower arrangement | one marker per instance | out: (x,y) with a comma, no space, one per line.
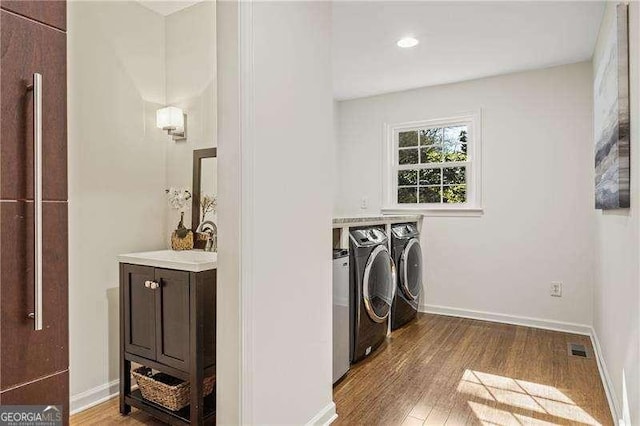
(178,197)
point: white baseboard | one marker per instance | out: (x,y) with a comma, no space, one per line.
(325,417)
(566,327)
(614,406)
(105,392)
(95,396)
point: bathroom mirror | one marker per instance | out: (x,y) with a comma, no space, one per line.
(205,188)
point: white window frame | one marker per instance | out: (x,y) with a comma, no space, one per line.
(473,205)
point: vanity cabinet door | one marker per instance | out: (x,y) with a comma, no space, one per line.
(139,310)
(172,307)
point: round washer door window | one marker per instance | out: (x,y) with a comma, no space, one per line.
(377,289)
(411,269)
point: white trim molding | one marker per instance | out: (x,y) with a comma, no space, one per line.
(326,416)
(614,405)
(545,324)
(92,397)
(437,212)
(247,187)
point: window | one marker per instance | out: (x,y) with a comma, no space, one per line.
(434,165)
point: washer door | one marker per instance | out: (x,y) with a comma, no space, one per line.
(378,284)
(411,269)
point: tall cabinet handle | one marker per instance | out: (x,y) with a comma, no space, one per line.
(37,199)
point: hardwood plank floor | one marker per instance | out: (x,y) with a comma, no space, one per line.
(449,371)
(108,413)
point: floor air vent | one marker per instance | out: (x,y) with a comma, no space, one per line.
(576,349)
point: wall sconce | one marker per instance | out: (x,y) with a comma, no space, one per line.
(174,121)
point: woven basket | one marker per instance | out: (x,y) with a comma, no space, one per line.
(185,243)
(165,390)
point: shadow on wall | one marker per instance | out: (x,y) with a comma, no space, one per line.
(113,313)
(617,212)
(137,52)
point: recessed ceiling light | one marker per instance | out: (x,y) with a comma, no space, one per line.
(407,42)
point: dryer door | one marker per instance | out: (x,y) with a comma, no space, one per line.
(411,269)
(378,284)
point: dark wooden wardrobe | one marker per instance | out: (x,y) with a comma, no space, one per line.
(34,348)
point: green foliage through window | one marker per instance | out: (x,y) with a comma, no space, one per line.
(432,181)
(408,156)
(407,177)
(407,195)
(406,139)
(454,194)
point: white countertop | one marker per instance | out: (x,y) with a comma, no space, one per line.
(340,222)
(185,260)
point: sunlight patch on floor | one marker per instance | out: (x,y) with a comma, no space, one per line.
(491,416)
(516,397)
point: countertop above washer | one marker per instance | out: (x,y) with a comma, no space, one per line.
(341,222)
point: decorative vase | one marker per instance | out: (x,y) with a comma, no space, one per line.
(182,238)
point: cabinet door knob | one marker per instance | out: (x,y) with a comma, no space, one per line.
(151,284)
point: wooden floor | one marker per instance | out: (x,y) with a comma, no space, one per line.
(108,414)
(442,370)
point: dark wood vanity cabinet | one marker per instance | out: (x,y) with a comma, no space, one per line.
(158,319)
(168,324)
(139,311)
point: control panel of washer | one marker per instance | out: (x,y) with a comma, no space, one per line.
(368,237)
(404,231)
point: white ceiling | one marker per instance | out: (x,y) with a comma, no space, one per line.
(166,8)
(458,41)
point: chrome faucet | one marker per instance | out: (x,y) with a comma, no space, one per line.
(211,230)
(211,242)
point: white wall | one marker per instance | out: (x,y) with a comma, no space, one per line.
(229,358)
(281,151)
(617,286)
(190,36)
(291,318)
(538,221)
(116,170)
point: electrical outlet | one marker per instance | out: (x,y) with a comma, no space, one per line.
(556,289)
(364,203)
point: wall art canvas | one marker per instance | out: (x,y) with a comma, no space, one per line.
(611,117)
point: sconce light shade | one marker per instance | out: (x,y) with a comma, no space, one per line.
(170,118)
(174,121)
